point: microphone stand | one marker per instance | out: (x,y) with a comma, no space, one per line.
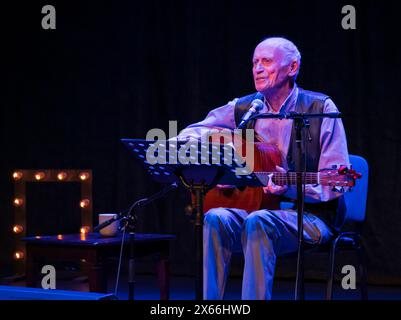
(129,220)
(301,121)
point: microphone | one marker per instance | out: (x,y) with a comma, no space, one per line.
(256,106)
(145,201)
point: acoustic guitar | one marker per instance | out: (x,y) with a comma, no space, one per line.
(266,157)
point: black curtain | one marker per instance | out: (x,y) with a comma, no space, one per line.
(117,69)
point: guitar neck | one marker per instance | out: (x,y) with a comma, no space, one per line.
(290,178)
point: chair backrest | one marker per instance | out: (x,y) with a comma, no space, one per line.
(355,201)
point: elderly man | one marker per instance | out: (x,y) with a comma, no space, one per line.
(265,234)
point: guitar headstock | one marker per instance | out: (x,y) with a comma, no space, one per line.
(341,177)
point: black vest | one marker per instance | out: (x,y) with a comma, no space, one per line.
(307,102)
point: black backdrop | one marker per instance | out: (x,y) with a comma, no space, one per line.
(117,69)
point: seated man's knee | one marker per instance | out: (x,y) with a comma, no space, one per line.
(215,216)
(261,220)
(257,217)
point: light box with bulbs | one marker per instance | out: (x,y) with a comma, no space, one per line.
(23,177)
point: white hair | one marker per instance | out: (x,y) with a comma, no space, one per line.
(290,49)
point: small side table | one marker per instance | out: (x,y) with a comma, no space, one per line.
(96,249)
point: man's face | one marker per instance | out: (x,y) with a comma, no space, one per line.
(270,70)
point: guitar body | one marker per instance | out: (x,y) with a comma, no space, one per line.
(266,157)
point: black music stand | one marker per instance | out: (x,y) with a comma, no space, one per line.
(198,167)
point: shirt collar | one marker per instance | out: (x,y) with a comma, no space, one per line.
(289,103)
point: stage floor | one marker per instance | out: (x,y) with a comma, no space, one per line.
(182,288)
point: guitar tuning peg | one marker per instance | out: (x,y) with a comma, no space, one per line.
(342,190)
(334,189)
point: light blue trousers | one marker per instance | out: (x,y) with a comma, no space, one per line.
(264,235)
